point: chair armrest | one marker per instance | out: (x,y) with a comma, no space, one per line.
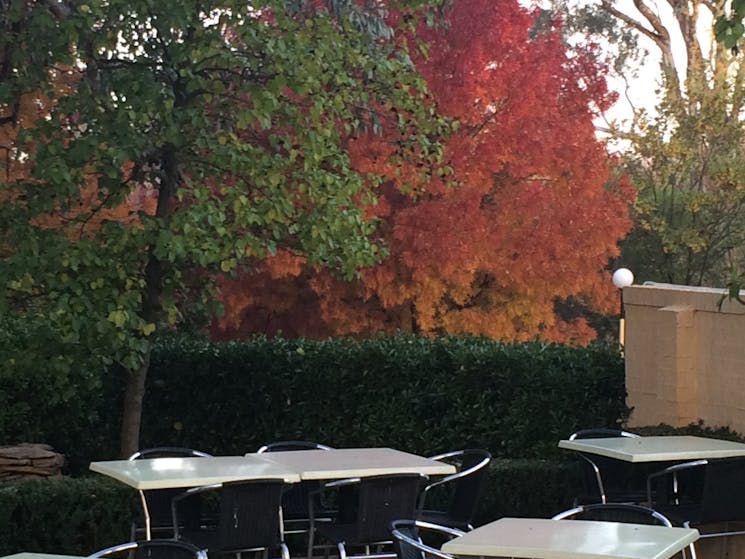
(448,478)
(671,471)
(339,483)
(113,549)
(446,530)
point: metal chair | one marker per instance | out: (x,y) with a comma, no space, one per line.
(156,503)
(409,539)
(619,512)
(615,512)
(249,517)
(152,549)
(700,493)
(296,498)
(365,521)
(281,446)
(605,480)
(465,485)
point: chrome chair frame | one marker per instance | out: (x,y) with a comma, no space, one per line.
(132,546)
(590,462)
(483,463)
(159,451)
(400,530)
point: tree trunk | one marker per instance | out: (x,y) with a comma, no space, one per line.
(129,437)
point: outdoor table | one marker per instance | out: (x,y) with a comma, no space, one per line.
(171,472)
(539,538)
(164,473)
(341,463)
(676,448)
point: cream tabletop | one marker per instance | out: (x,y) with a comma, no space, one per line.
(342,463)
(540,538)
(162,473)
(656,449)
(29,555)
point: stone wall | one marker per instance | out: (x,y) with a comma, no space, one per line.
(685,356)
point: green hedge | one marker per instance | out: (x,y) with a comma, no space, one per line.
(420,394)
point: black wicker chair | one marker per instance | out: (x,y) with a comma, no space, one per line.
(248,517)
(465,488)
(156,503)
(702,493)
(605,480)
(365,520)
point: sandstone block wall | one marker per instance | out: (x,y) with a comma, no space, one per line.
(685,356)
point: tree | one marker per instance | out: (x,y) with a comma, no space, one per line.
(532,223)
(218,126)
(686,154)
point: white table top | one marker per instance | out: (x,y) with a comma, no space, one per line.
(343,463)
(657,449)
(162,473)
(540,538)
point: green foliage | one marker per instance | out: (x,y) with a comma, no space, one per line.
(231,118)
(67,516)
(425,395)
(729,28)
(697,429)
(45,383)
(689,168)
(530,488)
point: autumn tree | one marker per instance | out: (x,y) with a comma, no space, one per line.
(218,125)
(524,223)
(685,153)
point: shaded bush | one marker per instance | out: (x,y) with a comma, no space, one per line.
(67,516)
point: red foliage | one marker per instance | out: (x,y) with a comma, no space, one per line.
(535,217)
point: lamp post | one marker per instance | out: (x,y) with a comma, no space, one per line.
(623,277)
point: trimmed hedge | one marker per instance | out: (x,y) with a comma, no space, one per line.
(421,394)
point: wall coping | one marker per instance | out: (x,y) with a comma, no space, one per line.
(652,294)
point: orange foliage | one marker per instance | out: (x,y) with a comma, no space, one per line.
(535,218)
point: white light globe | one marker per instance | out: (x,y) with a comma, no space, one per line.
(623,277)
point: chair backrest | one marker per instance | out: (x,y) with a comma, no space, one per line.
(168,452)
(723,497)
(281,446)
(152,549)
(250,515)
(295,498)
(408,542)
(603,477)
(601,433)
(159,500)
(467,482)
(615,512)
(381,500)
